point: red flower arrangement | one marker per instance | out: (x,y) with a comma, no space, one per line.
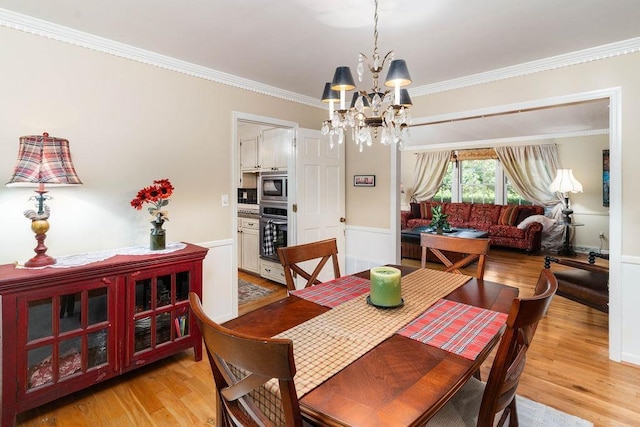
(157,195)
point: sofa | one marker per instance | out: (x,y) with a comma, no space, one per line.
(506,224)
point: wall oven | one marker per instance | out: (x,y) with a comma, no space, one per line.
(273,229)
(273,187)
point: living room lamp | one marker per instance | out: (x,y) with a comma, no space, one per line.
(42,159)
(566,183)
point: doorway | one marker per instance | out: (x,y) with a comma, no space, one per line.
(615,207)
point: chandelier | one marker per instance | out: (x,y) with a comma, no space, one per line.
(371,112)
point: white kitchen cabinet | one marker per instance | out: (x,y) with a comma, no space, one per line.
(250,154)
(274,149)
(272,271)
(248,245)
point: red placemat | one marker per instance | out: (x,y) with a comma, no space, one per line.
(335,292)
(455,327)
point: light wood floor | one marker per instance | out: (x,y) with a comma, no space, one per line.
(567,368)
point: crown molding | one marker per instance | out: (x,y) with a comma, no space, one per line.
(560,61)
(52,31)
(60,33)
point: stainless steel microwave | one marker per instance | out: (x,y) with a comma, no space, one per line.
(273,186)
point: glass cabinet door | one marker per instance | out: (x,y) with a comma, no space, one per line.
(67,334)
(160,309)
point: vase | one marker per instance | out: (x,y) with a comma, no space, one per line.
(158,236)
(439,230)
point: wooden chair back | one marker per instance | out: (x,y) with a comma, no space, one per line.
(292,256)
(476,249)
(508,364)
(260,358)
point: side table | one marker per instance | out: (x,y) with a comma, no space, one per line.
(567,247)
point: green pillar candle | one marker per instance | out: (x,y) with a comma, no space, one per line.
(385,287)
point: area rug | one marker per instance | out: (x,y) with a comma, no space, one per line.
(463,410)
(534,414)
(249,292)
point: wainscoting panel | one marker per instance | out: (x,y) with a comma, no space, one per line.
(366,248)
(219,281)
(630,294)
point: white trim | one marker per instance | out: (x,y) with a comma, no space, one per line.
(560,61)
(516,140)
(57,32)
(49,30)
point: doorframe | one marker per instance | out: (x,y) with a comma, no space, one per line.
(614,95)
(238,116)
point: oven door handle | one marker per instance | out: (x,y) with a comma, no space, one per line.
(274,221)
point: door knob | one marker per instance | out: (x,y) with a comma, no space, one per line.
(343,219)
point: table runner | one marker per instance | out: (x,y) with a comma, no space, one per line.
(329,342)
(333,293)
(456,327)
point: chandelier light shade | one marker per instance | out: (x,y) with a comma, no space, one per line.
(565,183)
(373,111)
(42,160)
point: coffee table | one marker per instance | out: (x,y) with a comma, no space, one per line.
(410,241)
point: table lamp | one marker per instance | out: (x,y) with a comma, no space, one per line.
(566,183)
(42,160)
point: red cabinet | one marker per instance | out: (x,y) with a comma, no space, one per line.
(64,329)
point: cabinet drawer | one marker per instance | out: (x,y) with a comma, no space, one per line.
(272,271)
(250,223)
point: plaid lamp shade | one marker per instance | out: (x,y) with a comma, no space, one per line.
(44,159)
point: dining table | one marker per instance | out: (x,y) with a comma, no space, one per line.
(360,365)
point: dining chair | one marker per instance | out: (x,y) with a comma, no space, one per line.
(242,363)
(478,403)
(292,256)
(476,249)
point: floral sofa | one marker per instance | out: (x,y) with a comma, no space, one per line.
(500,221)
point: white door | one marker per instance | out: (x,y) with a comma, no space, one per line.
(319,181)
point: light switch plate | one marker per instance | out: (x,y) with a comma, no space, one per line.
(225,200)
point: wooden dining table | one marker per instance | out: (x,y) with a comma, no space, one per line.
(399,382)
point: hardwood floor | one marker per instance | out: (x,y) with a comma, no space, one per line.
(567,368)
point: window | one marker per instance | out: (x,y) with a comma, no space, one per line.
(478,181)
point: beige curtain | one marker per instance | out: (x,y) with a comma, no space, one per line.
(428,174)
(530,169)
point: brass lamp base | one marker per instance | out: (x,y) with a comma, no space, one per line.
(40,227)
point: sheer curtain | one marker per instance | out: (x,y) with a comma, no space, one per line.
(428,174)
(530,170)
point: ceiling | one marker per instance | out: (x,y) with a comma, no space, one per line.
(295,45)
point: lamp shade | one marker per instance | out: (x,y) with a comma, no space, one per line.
(342,79)
(405,99)
(398,74)
(43,159)
(565,182)
(356,95)
(329,94)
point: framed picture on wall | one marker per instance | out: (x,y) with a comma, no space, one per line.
(364,180)
(605,178)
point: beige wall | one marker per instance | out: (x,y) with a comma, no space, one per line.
(368,206)
(128,123)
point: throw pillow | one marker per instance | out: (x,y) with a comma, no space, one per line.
(524,212)
(425,210)
(509,215)
(546,222)
(415,210)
